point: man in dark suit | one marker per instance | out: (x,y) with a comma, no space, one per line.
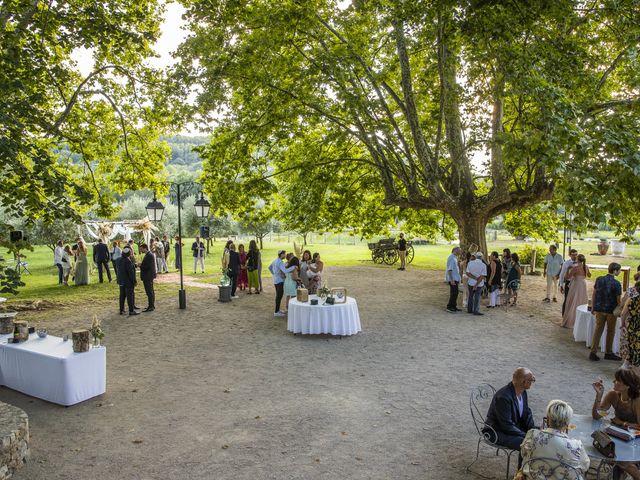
(126,278)
(101,258)
(234,269)
(197,248)
(147,274)
(509,414)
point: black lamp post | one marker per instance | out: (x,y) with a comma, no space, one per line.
(155,210)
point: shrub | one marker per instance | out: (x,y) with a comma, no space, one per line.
(525,255)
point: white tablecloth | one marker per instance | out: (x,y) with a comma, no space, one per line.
(586,324)
(338,319)
(47,368)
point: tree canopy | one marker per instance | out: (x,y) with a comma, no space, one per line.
(472,108)
(51,113)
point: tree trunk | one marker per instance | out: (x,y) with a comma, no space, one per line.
(304,239)
(259,237)
(472,231)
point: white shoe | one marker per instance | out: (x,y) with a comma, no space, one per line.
(279,314)
(235,296)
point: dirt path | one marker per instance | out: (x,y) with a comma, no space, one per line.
(223,391)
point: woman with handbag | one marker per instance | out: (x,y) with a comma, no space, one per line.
(553,442)
(253,263)
(625,400)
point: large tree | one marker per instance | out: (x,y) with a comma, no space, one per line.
(70,136)
(473,108)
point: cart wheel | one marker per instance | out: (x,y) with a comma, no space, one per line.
(376,257)
(410,254)
(390,256)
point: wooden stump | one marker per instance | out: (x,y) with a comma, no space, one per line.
(6,322)
(80,340)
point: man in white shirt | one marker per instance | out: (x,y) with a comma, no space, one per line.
(564,284)
(477,273)
(452,277)
(278,271)
(57,260)
(552,267)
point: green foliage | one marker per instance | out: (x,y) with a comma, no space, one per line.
(350,96)
(526,252)
(70,139)
(48,234)
(540,222)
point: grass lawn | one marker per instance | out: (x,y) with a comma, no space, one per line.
(42,283)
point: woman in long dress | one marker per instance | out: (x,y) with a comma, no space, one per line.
(315,273)
(304,268)
(577,296)
(631,329)
(82,265)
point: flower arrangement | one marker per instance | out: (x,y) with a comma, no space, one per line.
(324,291)
(96,330)
(225,281)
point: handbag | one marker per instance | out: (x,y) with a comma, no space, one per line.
(617,311)
(604,444)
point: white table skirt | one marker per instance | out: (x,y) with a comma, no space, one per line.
(338,319)
(47,368)
(585,325)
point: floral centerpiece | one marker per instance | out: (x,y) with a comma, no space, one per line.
(96,331)
(225,281)
(324,291)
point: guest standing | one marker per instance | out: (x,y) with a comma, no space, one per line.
(82,265)
(57,261)
(563,280)
(279,271)
(253,260)
(494,282)
(115,254)
(577,277)
(233,269)
(101,258)
(243,280)
(167,250)
(605,298)
(631,328)
(513,278)
(291,280)
(304,268)
(177,251)
(67,255)
(126,278)
(477,273)
(147,274)
(552,266)
(161,263)
(507,261)
(402,252)
(132,248)
(315,267)
(197,248)
(465,279)
(452,277)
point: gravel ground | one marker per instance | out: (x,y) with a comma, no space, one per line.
(223,391)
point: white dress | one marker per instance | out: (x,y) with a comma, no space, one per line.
(551,443)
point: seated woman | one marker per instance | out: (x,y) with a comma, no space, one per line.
(625,400)
(554,443)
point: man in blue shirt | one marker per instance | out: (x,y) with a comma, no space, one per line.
(606,297)
(279,271)
(452,277)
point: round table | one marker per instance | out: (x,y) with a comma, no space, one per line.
(586,425)
(586,324)
(338,319)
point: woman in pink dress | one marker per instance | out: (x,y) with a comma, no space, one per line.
(577,296)
(243,279)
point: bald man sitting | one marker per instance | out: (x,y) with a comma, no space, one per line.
(509,414)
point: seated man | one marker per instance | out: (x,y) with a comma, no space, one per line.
(509,414)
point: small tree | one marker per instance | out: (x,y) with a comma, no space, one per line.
(44,233)
(258,223)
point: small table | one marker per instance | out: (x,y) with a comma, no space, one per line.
(49,369)
(585,325)
(586,425)
(626,273)
(338,319)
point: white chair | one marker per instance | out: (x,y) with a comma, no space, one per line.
(479,401)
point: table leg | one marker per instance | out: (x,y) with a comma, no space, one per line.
(625,279)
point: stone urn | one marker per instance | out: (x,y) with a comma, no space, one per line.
(224,293)
(603,247)
(617,248)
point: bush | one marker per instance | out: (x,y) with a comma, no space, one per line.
(525,255)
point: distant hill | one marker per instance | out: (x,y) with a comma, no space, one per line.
(182,151)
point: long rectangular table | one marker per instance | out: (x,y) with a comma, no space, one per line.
(49,369)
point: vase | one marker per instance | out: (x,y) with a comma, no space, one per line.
(96,342)
(603,248)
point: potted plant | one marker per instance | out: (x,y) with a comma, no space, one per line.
(603,246)
(96,331)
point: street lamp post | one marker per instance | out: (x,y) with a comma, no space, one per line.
(155,210)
